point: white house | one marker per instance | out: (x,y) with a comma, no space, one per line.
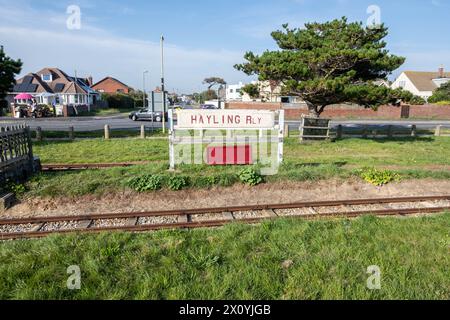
(233,92)
(54,86)
(421,83)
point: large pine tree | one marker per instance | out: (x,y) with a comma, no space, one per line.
(328,63)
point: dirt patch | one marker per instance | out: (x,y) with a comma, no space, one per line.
(224,197)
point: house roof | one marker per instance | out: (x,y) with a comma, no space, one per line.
(113,79)
(423,80)
(61,83)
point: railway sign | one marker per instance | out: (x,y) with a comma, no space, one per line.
(232,137)
(225,119)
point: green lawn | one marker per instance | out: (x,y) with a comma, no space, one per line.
(284,259)
(412,158)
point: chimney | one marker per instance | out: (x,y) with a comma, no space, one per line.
(441,72)
(90,81)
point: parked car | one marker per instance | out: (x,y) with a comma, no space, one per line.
(209,107)
(147,114)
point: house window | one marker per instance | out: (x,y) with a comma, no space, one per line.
(47,77)
(402,84)
(120,90)
(231,90)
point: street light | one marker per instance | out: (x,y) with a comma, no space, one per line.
(143,85)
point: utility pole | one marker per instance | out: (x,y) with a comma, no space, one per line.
(163,86)
(143,88)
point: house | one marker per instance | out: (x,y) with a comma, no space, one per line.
(420,83)
(270,91)
(233,92)
(54,86)
(111,85)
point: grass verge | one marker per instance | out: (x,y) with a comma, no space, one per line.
(283,259)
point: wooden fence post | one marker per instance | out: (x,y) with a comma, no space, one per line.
(142,132)
(39,134)
(437,133)
(414,131)
(339,132)
(286,130)
(107,132)
(71,133)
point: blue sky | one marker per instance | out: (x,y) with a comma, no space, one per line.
(203,38)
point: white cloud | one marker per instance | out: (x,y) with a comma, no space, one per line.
(93,51)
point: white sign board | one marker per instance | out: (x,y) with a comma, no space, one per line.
(225,119)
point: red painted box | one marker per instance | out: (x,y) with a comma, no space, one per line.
(235,155)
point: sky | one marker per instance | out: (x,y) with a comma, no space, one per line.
(203,38)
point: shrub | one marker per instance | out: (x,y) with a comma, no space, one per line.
(16,188)
(205,182)
(250,176)
(177,183)
(379,177)
(119,101)
(146,183)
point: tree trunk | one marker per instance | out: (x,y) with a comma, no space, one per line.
(313,110)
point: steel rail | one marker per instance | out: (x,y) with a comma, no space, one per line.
(219,223)
(203,211)
(86,166)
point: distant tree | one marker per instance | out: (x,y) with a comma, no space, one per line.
(9,68)
(252,90)
(213,81)
(328,63)
(209,95)
(441,94)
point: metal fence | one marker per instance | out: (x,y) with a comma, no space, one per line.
(16,154)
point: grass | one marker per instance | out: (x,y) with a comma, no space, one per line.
(412,159)
(284,259)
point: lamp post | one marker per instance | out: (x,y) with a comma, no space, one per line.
(143,87)
(163,86)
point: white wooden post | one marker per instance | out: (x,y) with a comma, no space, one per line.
(171,141)
(280,136)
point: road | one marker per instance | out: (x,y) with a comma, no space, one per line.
(122,122)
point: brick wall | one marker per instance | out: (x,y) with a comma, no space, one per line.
(350,111)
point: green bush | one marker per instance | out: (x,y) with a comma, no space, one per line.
(16,188)
(250,177)
(379,177)
(177,183)
(146,183)
(119,101)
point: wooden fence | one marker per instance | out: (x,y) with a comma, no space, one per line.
(16,154)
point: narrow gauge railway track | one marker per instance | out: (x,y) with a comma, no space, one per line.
(87,166)
(37,227)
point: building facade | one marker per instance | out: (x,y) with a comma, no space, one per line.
(420,83)
(53,86)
